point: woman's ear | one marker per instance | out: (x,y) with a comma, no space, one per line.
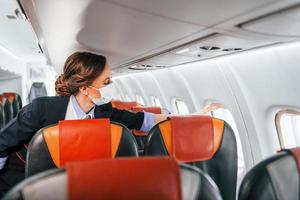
(83,90)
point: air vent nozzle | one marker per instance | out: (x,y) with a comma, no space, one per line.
(209,48)
(11,17)
(232,49)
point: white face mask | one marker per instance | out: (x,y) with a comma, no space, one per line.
(105,93)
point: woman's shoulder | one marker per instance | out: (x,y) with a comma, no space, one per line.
(51,100)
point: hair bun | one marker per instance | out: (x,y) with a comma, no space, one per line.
(61,87)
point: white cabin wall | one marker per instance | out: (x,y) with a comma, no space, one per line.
(152,88)
(123,86)
(208,84)
(11,85)
(16,66)
(21,68)
(197,84)
(265,82)
(166,84)
(44,73)
(253,85)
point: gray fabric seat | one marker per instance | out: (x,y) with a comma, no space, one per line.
(37,89)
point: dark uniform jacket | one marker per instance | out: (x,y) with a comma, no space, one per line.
(42,112)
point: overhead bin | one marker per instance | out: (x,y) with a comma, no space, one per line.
(213,45)
(285,22)
(218,44)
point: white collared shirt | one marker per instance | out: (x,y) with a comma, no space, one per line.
(74,111)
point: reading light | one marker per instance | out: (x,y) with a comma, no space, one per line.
(183,51)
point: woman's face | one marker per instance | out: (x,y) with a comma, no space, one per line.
(103,80)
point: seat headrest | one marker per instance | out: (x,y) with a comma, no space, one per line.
(2,99)
(11,96)
(79,140)
(155,110)
(192,138)
(159,178)
(124,105)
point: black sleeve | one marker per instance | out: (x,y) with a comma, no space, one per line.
(21,128)
(129,119)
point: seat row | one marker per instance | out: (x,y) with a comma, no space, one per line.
(140,136)
(10,104)
(207,145)
(204,142)
(82,140)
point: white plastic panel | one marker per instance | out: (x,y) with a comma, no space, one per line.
(16,34)
(205,13)
(215,45)
(284,23)
(265,81)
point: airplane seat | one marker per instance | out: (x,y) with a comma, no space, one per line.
(78,140)
(140,136)
(2,116)
(130,178)
(8,109)
(37,89)
(202,141)
(18,97)
(13,99)
(155,110)
(165,111)
(124,105)
(276,177)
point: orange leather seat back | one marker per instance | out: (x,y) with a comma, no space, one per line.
(123,105)
(125,179)
(207,142)
(155,110)
(78,140)
(11,96)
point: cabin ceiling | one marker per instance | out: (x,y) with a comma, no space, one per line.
(127,30)
(17,38)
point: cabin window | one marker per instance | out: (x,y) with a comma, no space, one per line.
(218,110)
(181,107)
(288,128)
(140,100)
(127,97)
(120,97)
(155,101)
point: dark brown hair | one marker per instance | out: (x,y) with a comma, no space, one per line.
(81,69)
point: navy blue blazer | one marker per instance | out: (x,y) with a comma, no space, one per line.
(42,112)
(45,111)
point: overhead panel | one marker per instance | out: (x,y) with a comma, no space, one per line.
(216,44)
(17,38)
(205,13)
(285,22)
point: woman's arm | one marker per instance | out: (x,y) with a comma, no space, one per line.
(144,121)
(21,128)
(206,110)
